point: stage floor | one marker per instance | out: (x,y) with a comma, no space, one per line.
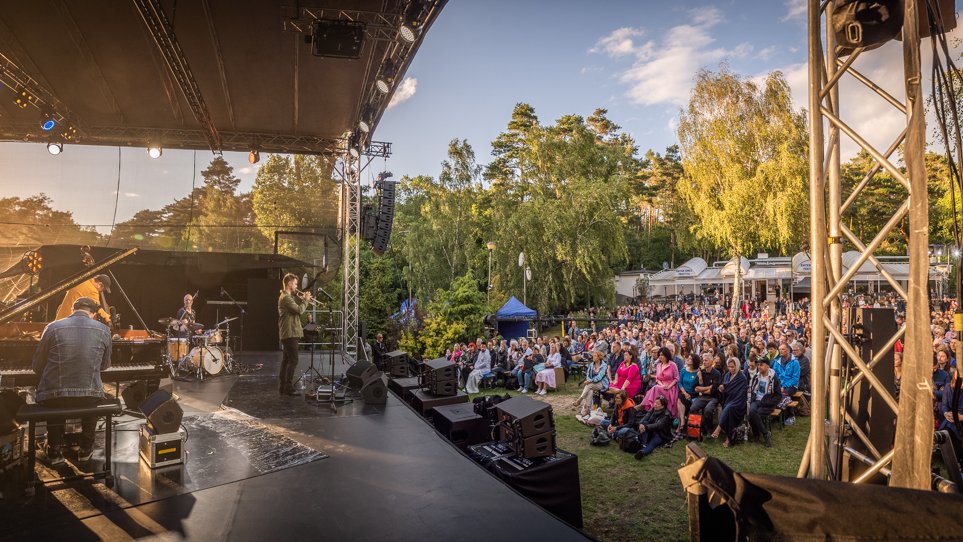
(270,467)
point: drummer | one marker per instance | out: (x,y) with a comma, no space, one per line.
(185,317)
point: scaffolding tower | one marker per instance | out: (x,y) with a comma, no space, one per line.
(833,350)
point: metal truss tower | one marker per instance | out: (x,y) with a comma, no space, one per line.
(833,351)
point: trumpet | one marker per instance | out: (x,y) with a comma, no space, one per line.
(300,294)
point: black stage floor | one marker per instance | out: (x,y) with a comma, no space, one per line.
(269,467)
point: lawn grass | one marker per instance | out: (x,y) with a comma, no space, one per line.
(625,499)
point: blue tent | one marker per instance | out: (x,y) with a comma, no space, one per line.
(513,318)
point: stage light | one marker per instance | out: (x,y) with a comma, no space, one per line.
(364,126)
(411,21)
(253,157)
(155,151)
(48,124)
(383,85)
(31,262)
(69,132)
(55,148)
(25,98)
(354,145)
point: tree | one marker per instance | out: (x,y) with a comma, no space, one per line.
(297,193)
(34,221)
(560,193)
(744,152)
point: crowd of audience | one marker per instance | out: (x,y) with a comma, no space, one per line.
(650,371)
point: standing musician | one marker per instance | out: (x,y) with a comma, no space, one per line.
(186,317)
(290,309)
(93,289)
(71,354)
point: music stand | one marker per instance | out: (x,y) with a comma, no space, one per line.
(310,328)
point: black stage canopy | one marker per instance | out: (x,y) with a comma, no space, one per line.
(232,75)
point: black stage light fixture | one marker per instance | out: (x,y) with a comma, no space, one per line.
(155,151)
(412,20)
(31,262)
(55,148)
(866,24)
(386,78)
(354,145)
(336,38)
(366,119)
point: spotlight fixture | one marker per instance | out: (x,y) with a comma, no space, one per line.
(25,98)
(367,116)
(31,262)
(253,157)
(69,132)
(412,20)
(386,77)
(354,145)
(55,148)
(363,126)
(155,151)
(48,124)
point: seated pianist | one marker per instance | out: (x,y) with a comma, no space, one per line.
(71,354)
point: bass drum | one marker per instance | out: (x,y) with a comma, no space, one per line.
(211,359)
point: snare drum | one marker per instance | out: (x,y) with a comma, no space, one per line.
(210,358)
(176,348)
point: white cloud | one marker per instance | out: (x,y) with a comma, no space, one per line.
(767,53)
(619,43)
(795,10)
(131,195)
(664,68)
(248,170)
(404,92)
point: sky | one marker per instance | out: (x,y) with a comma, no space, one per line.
(635,58)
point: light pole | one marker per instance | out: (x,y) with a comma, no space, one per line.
(491,248)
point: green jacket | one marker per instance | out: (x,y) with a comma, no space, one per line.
(290,309)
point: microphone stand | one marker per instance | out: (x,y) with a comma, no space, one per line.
(224,292)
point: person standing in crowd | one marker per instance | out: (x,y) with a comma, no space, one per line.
(290,309)
(379,350)
(69,358)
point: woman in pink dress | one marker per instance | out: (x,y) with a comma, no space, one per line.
(627,376)
(666,383)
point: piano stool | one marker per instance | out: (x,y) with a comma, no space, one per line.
(31,414)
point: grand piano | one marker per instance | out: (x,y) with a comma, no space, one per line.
(136,354)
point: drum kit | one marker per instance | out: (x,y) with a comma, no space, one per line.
(202,352)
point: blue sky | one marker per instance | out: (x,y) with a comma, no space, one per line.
(635,58)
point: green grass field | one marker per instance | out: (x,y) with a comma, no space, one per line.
(626,499)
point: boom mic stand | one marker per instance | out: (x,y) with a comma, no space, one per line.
(240,343)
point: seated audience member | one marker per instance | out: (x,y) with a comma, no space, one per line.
(655,429)
(805,367)
(666,382)
(733,400)
(501,367)
(764,396)
(627,376)
(940,379)
(945,418)
(545,378)
(687,384)
(596,379)
(623,416)
(482,367)
(707,390)
(565,352)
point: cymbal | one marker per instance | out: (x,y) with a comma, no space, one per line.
(219,324)
(168,321)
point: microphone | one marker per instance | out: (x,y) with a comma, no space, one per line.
(326,294)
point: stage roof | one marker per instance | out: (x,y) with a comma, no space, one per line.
(233,75)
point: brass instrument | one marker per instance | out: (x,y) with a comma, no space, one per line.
(301,293)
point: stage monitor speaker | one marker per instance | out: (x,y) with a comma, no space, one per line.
(397,363)
(538,445)
(526,416)
(871,330)
(360,373)
(442,387)
(162,411)
(439,369)
(374,391)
